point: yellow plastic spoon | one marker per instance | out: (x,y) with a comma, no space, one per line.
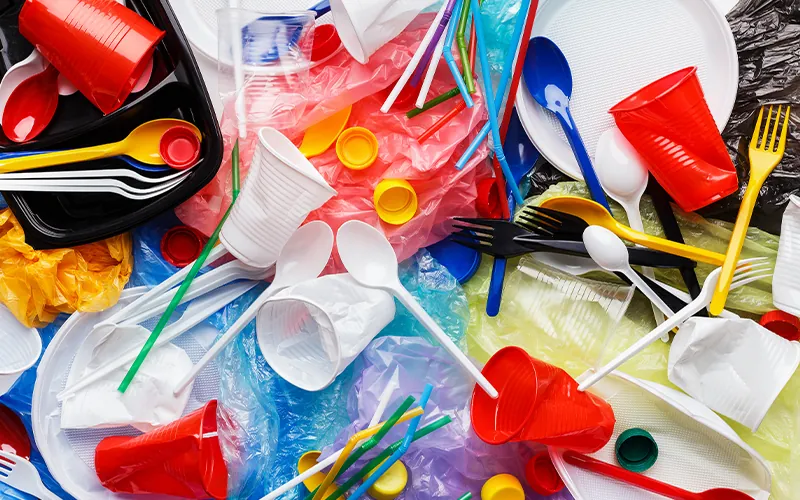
(142,145)
(321,136)
(595,215)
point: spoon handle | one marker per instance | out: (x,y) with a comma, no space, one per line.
(58,158)
(430,324)
(626,476)
(584,162)
(649,293)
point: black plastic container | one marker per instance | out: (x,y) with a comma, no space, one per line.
(176,90)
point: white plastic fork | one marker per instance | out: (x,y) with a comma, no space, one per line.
(22,475)
(748,271)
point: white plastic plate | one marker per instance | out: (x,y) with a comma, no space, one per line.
(697,450)
(616,47)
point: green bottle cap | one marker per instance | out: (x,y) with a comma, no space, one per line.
(636,450)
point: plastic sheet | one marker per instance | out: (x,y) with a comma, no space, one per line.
(769,71)
(442,190)
(450,461)
(37,285)
(280,422)
(778,438)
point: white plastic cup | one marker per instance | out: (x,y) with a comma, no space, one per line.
(786,281)
(311,332)
(20,349)
(281,189)
(736,367)
(367,25)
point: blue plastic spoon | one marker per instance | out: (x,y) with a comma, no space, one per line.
(549,80)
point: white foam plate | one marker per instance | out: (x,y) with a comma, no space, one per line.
(697,450)
(616,47)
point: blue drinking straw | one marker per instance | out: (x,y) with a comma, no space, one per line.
(409,437)
(487,90)
(505,79)
(451,61)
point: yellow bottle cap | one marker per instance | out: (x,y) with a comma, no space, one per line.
(307,461)
(502,487)
(357,148)
(395,201)
(391,483)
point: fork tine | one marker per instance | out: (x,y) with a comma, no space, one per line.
(469,233)
(757,132)
(765,135)
(774,133)
(477,222)
(534,226)
(747,275)
(554,215)
(475,231)
(753,279)
(785,131)
(541,221)
(468,243)
(751,260)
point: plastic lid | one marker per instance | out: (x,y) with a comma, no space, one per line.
(180,147)
(488,201)
(502,487)
(782,323)
(357,148)
(391,483)
(395,201)
(182,245)
(462,262)
(636,450)
(542,476)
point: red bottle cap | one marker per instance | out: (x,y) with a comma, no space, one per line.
(782,323)
(182,245)
(180,147)
(542,476)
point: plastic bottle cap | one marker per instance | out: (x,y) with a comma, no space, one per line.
(182,245)
(783,324)
(391,483)
(179,147)
(502,487)
(357,148)
(395,201)
(462,262)
(636,450)
(542,475)
(488,201)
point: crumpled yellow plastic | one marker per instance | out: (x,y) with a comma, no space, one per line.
(38,285)
(541,329)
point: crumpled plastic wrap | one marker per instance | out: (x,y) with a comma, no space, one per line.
(442,190)
(37,285)
(275,423)
(778,438)
(766,33)
(451,460)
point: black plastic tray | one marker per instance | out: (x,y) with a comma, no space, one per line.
(176,90)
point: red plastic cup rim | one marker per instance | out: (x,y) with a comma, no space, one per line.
(499,375)
(488,200)
(180,147)
(182,245)
(542,475)
(782,323)
(654,91)
(326,42)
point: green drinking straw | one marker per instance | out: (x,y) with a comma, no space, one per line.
(198,264)
(461,41)
(378,460)
(466,496)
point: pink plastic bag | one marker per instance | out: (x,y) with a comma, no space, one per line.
(442,190)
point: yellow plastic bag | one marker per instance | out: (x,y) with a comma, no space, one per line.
(37,285)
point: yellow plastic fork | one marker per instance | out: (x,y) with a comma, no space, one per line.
(765,154)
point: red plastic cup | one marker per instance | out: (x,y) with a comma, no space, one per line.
(487,202)
(182,459)
(179,147)
(100,46)
(542,476)
(538,402)
(670,125)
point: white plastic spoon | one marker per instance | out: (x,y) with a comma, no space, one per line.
(611,254)
(624,176)
(370,260)
(303,258)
